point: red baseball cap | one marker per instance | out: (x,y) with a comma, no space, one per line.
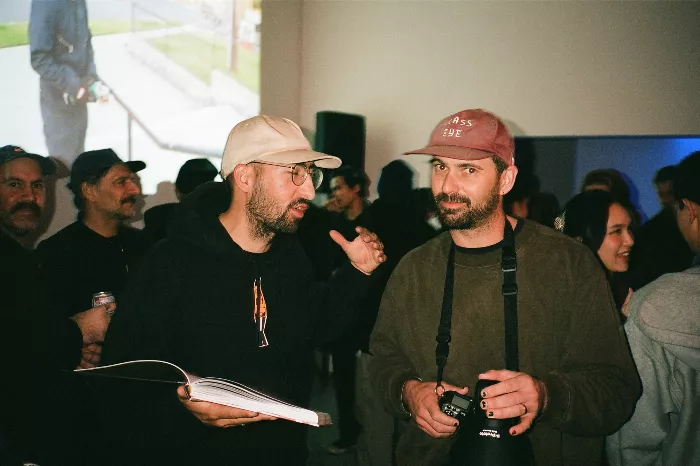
(470,135)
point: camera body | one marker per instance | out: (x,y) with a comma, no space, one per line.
(458,406)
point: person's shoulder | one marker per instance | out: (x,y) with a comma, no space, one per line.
(433,249)
(159,211)
(131,232)
(671,286)
(559,253)
(11,250)
(167,255)
(666,310)
(60,240)
(543,237)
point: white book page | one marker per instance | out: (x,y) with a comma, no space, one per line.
(143,369)
(237,395)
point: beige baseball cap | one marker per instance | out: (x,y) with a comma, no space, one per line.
(270,139)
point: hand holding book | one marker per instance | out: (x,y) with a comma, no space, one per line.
(214,401)
(217,415)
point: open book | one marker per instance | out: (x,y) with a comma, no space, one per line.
(211,389)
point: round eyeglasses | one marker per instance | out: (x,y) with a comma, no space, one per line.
(300,172)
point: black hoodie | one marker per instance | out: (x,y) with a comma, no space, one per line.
(191,303)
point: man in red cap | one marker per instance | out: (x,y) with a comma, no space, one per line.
(515,303)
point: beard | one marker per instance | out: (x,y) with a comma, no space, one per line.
(267,218)
(120,214)
(467,218)
(10,224)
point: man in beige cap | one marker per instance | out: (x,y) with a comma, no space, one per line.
(192,302)
(511,302)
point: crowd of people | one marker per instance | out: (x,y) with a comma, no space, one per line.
(581,326)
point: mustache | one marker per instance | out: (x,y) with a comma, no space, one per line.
(33,206)
(298,202)
(128,199)
(452,198)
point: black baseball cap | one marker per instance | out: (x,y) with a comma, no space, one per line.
(7,153)
(193,173)
(94,162)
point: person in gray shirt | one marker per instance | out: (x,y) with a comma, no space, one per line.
(663,330)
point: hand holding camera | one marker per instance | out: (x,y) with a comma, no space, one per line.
(422,402)
(491,429)
(518,395)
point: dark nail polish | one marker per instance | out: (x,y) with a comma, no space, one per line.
(456,424)
(513,432)
(483,404)
(490,414)
(483,394)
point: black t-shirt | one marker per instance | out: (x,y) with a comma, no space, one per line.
(77,262)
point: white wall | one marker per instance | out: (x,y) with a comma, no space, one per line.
(548,68)
(280,58)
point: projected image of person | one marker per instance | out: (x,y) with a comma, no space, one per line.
(61,53)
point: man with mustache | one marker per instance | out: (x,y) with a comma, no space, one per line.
(35,342)
(97,253)
(192,303)
(106,190)
(575,381)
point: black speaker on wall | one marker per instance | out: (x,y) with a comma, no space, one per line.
(342,135)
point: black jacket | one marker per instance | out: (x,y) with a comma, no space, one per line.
(191,303)
(157,221)
(77,262)
(34,345)
(659,249)
(60,44)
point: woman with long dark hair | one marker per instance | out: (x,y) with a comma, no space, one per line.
(603,222)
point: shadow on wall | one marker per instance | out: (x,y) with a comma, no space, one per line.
(54,184)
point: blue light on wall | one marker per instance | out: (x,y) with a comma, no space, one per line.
(636,157)
(684,146)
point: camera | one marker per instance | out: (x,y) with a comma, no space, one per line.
(484,441)
(456,405)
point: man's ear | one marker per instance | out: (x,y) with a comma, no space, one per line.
(88,191)
(507,180)
(692,208)
(243,177)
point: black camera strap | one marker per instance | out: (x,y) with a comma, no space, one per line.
(509,289)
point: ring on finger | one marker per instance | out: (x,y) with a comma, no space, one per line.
(524,409)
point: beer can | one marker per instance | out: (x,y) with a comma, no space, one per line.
(101,298)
